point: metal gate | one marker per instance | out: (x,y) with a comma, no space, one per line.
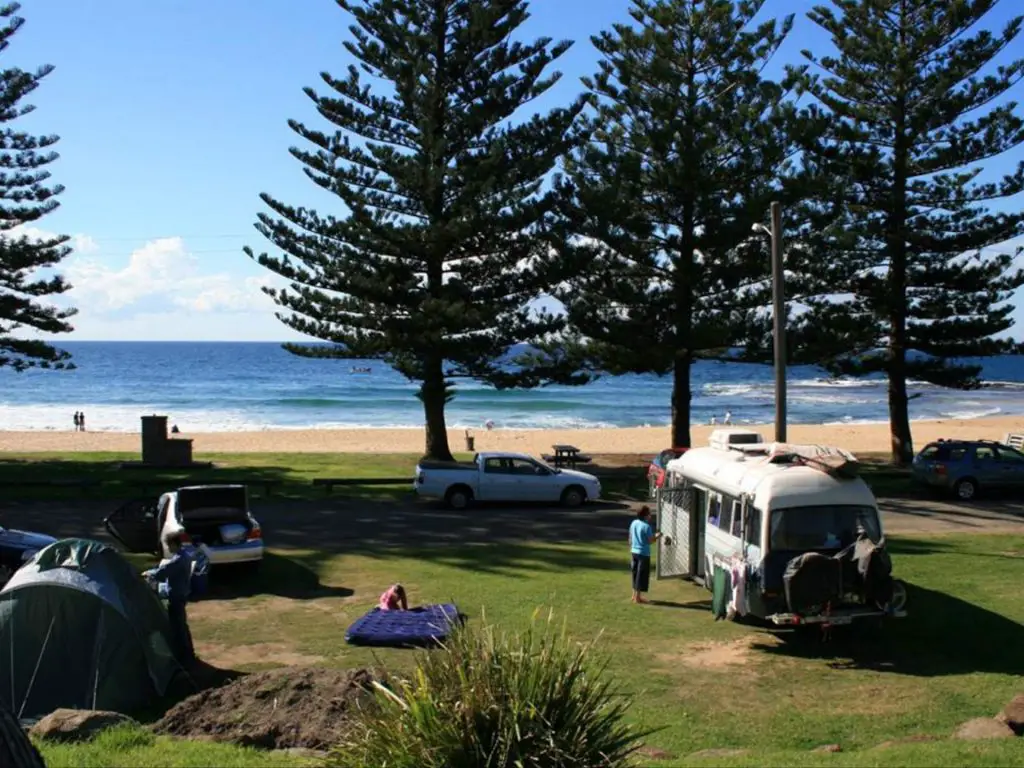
(675,517)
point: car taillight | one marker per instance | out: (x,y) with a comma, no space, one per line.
(940,469)
(254,533)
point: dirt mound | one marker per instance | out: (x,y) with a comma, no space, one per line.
(279,709)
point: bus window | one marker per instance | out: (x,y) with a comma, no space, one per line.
(724,507)
(821,527)
(737,518)
(752,535)
(714,509)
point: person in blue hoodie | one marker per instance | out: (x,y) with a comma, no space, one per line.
(174,582)
(641,536)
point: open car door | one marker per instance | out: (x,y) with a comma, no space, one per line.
(134,525)
(675,523)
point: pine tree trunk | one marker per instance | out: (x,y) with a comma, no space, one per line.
(432,393)
(899,420)
(681,402)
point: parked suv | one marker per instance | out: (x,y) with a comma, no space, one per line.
(215,518)
(967,466)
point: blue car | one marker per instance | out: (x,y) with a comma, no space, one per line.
(17,548)
(967,467)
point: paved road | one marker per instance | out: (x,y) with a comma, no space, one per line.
(341,525)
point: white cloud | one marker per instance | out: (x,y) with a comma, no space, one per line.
(162,271)
(81,243)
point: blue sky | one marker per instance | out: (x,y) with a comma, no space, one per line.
(172,116)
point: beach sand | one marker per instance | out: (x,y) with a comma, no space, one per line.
(858,438)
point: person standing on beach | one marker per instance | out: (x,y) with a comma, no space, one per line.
(641,536)
(81,421)
(77,420)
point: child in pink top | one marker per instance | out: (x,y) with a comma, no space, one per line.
(394,599)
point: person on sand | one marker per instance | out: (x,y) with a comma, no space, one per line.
(77,421)
(81,421)
(641,536)
(394,599)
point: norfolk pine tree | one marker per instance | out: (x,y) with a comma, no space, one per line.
(24,199)
(445,237)
(914,119)
(689,147)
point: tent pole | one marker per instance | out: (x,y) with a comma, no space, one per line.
(35,671)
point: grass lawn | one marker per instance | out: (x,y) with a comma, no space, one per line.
(293,474)
(702,684)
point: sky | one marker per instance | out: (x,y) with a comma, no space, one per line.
(173,119)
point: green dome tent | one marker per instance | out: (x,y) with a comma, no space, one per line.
(80,628)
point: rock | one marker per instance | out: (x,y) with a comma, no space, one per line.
(76,724)
(1013,714)
(981,728)
(720,753)
(828,748)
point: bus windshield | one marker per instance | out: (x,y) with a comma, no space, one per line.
(822,527)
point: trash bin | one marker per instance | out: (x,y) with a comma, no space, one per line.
(470,442)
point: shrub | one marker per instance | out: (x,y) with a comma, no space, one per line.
(496,700)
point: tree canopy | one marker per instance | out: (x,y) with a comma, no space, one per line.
(690,144)
(917,108)
(443,229)
(27,257)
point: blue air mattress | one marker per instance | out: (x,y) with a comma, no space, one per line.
(421,626)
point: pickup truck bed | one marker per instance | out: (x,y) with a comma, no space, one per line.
(456,465)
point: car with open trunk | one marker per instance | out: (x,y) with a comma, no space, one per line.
(214,518)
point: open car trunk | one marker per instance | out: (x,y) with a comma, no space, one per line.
(213,504)
(215,515)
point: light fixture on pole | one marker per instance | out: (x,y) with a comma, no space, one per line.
(779,318)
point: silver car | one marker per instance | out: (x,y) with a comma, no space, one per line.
(966,467)
(214,518)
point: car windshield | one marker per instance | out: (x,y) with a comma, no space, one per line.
(822,527)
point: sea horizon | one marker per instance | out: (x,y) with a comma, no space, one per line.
(226,386)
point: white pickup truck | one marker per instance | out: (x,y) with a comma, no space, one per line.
(503,477)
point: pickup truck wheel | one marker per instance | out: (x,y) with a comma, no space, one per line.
(573,496)
(458,497)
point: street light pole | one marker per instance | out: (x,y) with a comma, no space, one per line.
(779,322)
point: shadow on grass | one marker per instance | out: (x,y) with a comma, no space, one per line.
(69,479)
(942,635)
(277,575)
(696,605)
(492,538)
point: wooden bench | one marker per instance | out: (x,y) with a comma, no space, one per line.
(328,483)
(83,483)
(567,461)
(1014,441)
(268,485)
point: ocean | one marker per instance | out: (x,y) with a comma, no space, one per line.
(231,386)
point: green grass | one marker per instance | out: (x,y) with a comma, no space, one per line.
(294,474)
(137,747)
(700,684)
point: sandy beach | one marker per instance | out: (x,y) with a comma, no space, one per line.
(859,438)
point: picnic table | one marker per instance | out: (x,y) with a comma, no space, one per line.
(566,456)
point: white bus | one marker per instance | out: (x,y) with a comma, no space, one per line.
(794,529)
